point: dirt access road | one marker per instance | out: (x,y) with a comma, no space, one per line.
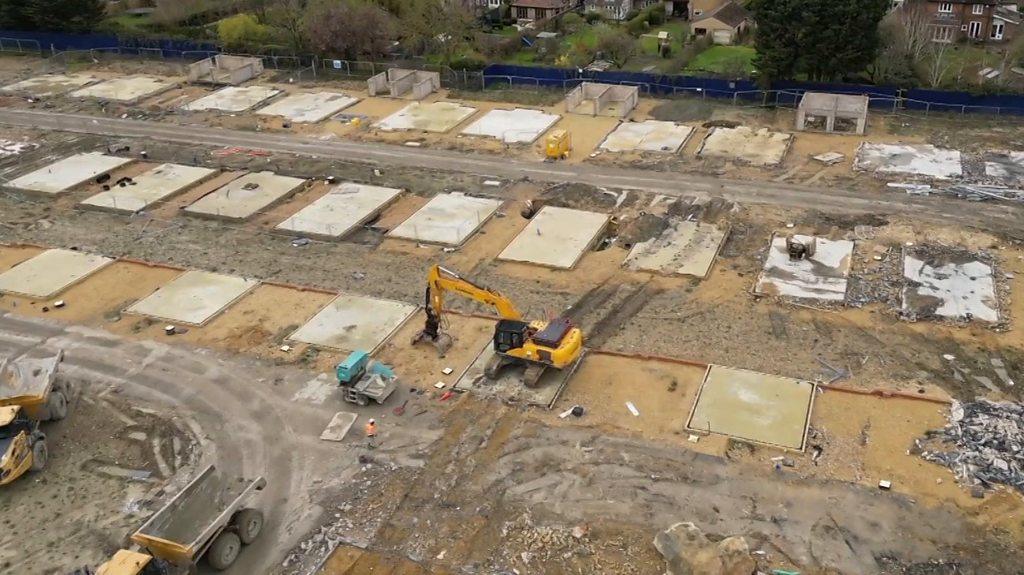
(245,416)
(1002,218)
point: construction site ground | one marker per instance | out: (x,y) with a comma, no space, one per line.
(471,485)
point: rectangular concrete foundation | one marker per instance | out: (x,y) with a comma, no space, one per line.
(447,219)
(246,196)
(648,136)
(509,388)
(50,273)
(556,237)
(684,248)
(754,407)
(354,323)
(745,145)
(156,185)
(437,117)
(518,126)
(193,298)
(595,99)
(823,276)
(1005,166)
(345,207)
(948,285)
(309,107)
(127,90)
(50,85)
(68,173)
(909,159)
(232,99)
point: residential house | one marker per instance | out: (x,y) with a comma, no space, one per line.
(617,9)
(723,24)
(536,10)
(974,20)
(697,8)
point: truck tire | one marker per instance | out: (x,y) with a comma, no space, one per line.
(249,523)
(57,405)
(224,551)
(39,455)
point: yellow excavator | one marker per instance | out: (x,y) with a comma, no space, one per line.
(536,344)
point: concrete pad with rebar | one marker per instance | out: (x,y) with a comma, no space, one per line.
(232,99)
(354,323)
(68,173)
(1005,166)
(755,407)
(823,275)
(760,147)
(50,85)
(246,196)
(517,126)
(948,283)
(447,219)
(338,212)
(508,386)
(127,90)
(909,159)
(556,237)
(648,136)
(149,188)
(193,298)
(50,273)
(684,248)
(437,117)
(309,107)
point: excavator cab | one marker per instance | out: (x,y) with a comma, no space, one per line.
(510,334)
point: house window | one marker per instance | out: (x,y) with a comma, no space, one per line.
(522,13)
(974,31)
(997,31)
(540,13)
(946,8)
(978,9)
(942,34)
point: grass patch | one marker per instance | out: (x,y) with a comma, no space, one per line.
(725,60)
(678,30)
(128,24)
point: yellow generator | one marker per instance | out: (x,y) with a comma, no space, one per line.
(558,146)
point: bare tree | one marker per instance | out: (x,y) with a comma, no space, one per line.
(939,64)
(914,27)
(350,28)
(288,16)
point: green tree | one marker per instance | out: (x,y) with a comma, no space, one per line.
(14,15)
(439,26)
(76,16)
(616,46)
(349,28)
(241,31)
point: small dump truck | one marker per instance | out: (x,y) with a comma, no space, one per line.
(30,394)
(362,379)
(209,518)
(558,145)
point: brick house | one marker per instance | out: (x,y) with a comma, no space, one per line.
(697,8)
(619,9)
(974,20)
(535,10)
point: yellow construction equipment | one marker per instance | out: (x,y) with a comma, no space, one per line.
(536,344)
(558,145)
(29,395)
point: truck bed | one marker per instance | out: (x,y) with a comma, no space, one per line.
(27,377)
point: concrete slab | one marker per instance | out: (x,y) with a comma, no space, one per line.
(949,284)
(339,426)
(232,99)
(156,185)
(193,298)
(648,136)
(309,107)
(556,237)
(684,248)
(447,219)
(68,173)
(343,208)
(754,407)
(823,276)
(508,387)
(50,84)
(516,126)
(354,323)
(760,147)
(433,117)
(129,89)
(909,159)
(246,196)
(1005,166)
(51,272)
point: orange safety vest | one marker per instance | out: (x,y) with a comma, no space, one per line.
(371,430)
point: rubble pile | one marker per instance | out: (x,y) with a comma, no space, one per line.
(988,443)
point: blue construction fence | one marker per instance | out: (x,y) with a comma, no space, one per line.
(53,42)
(781,93)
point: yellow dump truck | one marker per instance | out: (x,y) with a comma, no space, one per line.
(558,145)
(30,393)
(207,519)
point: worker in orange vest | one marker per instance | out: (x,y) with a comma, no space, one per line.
(371,433)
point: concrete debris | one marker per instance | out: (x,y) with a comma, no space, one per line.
(982,193)
(687,551)
(984,444)
(829,158)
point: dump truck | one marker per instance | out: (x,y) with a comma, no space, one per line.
(558,145)
(362,381)
(208,519)
(30,394)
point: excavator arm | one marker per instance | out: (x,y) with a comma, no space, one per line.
(440,281)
